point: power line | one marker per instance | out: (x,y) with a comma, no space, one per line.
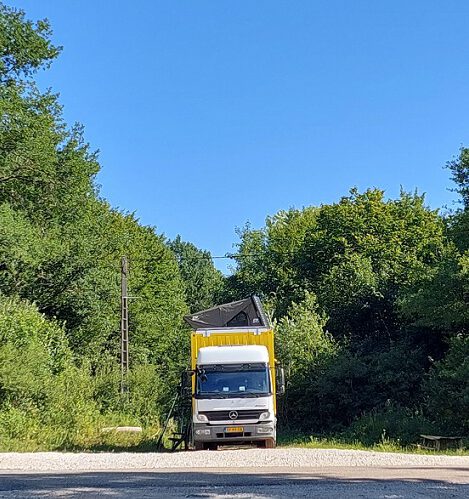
(226,255)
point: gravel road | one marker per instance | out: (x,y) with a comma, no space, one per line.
(237,474)
(246,458)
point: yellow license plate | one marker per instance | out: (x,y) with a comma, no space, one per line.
(234,429)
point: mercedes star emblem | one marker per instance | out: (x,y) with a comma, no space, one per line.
(233,415)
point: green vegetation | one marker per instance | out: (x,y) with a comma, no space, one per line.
(371,302)
(60,249)
(383,445)
(369,295)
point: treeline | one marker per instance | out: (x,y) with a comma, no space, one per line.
(60,251)
(369,296)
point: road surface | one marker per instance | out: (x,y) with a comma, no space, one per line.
(449,478)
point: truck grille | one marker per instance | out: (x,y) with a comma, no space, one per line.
(225,415)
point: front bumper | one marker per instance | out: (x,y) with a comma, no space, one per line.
(217,433)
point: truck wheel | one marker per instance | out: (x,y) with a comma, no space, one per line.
(269,443)
(199,446)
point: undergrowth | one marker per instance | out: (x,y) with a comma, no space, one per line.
(384,445)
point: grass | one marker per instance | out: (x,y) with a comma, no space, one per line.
(385,445)
(88,440)
(91,439)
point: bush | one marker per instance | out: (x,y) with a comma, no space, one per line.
(46,401)
(71,411)
(398,424)
(303,347)
(21,324)
(447,389)
(339,385)
(32,351)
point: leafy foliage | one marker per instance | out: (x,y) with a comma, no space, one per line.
(439,299)
(392,423)
(25,46)
(303,347)
(202,282)
(459,168)
(447,389)
(387,286)
(60,248)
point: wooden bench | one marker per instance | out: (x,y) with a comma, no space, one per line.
(437,442)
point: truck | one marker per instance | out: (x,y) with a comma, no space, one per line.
(234,378)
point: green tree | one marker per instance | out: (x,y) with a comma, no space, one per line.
(354,255)
(202,282)
(357,257)
(447,388)
(61,245)
(25,46)
(438,300)
(303,347)
(459,169)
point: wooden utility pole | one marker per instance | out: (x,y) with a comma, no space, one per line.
(124,325)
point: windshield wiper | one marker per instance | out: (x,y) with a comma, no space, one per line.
(213,395)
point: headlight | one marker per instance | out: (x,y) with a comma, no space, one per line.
(264,416)
(202,418)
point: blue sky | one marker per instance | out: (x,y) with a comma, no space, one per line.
(209,114)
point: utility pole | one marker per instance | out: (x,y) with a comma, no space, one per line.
(124,325)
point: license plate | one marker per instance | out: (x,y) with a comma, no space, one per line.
(234,429)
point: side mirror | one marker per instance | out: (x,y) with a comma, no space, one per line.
(280,379)
(186,383)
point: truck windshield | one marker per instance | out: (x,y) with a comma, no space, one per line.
(228,383)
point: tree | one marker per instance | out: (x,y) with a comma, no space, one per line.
(354,255)
(202,282)
(61,245)
(303,347)
(459,168)
(25,46)
(447,388)
(356,258)
(438,300)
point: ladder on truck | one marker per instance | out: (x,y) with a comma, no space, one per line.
(180,413)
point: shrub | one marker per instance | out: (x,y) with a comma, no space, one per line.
(395,423)
(46,401)
(303,347)
(21,324)
(447,389)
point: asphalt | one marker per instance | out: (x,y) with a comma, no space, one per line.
(241,483)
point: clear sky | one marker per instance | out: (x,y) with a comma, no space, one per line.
(209,114)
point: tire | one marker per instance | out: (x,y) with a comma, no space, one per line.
(268,443)
(199,446)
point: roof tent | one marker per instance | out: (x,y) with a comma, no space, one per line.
(242,313)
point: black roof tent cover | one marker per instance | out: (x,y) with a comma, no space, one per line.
(242,313)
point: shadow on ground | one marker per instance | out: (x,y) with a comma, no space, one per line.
(335,483)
